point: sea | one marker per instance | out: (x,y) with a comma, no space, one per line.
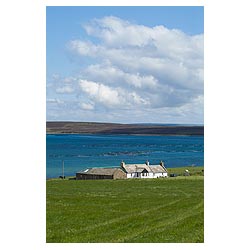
(74,152)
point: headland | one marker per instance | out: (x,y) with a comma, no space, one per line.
(63,127)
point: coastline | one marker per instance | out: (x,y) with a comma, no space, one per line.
(121,134)
(194,171)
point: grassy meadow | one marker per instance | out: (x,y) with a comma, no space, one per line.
(136,210)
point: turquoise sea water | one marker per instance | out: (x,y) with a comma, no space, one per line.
(83,151)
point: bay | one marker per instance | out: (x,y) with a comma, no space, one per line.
(79,152)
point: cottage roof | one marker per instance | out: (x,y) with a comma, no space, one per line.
(157,169)
(133,168)
(98,171)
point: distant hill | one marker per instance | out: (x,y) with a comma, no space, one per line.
(115,128)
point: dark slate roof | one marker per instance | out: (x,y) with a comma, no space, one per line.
(133,168)
(98,171)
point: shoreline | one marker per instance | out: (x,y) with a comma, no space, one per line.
(100,134)
(177,170)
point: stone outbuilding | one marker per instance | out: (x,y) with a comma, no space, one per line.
(100,174)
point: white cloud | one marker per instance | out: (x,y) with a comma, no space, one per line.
(85,48)
(101,93)
(65,89)
(87,106)
(113,31)
(138,68)
(111,97)
(166,56)
(116,76)
(69,80)
(54,101)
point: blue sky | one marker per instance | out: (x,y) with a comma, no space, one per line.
(125,64)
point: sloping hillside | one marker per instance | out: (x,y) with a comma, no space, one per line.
(114,128)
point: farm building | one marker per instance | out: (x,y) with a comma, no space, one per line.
(100,173)
(144,170)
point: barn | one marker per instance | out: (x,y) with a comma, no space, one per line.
(100,174)
(144,170)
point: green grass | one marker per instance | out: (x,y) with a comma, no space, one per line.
(194,171)
(149,210)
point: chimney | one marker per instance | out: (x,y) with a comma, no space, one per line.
(162,163)
(122,164)
(147,163)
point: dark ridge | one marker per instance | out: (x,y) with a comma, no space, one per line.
(115,128)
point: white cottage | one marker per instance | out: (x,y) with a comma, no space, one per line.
(144,170)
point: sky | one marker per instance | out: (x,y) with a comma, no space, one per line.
(125,64)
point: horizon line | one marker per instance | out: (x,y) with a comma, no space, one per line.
(162,123)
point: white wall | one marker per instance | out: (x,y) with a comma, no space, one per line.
(161,175)
(150,175)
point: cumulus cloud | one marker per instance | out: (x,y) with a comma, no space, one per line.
(115,31)
(101,93)
(139,68)
(144,54)
(116,76)
(110,97)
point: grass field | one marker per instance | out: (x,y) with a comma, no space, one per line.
(194,171)
(149,210)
